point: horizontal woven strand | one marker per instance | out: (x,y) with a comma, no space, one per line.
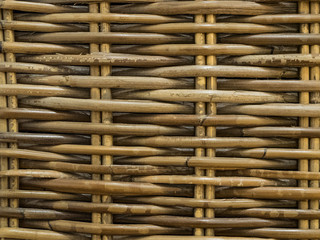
(204,120)
(203,7)
(212,162)
(184,142)
(208,203)
(102,37)
(38,27)
(103,229)
(41,90)
(100,129)
(208,96)
(106,105)
(32,234)
(36,7)
(105,187)
(100,17)
(208,222)
(114,169)
(106,81)
(41,114)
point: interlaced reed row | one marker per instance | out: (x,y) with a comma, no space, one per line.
(159,119)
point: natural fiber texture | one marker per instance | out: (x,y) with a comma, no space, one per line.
(159,119)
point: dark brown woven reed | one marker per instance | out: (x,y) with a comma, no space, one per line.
(159,119)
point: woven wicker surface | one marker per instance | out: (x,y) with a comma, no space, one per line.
(159,119)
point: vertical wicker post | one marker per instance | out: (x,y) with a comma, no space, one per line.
(314,122)
(304,121)
(4,128)
(207,191)
(101,117)
(200,107)
(12,124)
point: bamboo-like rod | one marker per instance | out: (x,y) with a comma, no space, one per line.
(176,221)
(269,85)
(113,208)
(314,122)
(3,128)
(39,27)
(288,60)
(106,81)
(41,114)
(31,194)
(271,213)
(105,37)
(41,48)
(61,103)
(204,180)
(40,214)
(212,71)
(113,169)
(275,174)
(273,109)
(287,132)
(287,39)
(105,187)
(12,102)
(35,155)
(39,68)
(208,203)
(95,116)
(277,18)
(101,117)
(41,90)
(32,234)
(100,17)
(203,7)
(203,28)
(115,59)
(274,153)
(204,120)
(100,150)
(101,129)
(185,142)
(191,49)
(208,96)
(34,173)
(211,162)
(288,193)
(103,229)
(36,7)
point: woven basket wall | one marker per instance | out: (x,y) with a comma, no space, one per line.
(159,119)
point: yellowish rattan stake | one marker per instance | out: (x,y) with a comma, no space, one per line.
(107,140)
(314,122)
(201,109)
(211,39)
(200,83)
(95,117)
(304,121)
(3,128)
(12,123)
(101,117)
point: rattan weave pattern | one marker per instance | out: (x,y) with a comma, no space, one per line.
(159,119)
